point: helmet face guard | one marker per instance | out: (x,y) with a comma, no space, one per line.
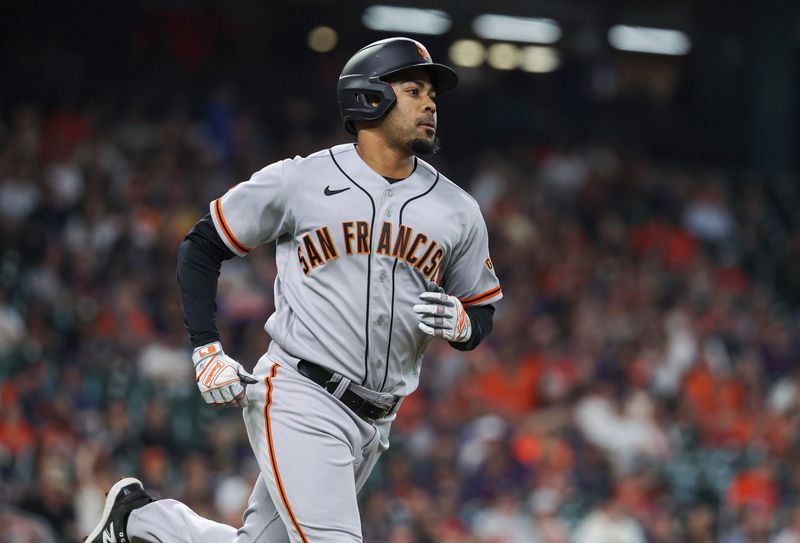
(363,78)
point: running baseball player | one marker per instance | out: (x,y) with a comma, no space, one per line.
(377,254)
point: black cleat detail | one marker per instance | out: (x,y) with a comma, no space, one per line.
(125,496)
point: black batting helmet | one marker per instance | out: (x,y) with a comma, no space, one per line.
(366,72)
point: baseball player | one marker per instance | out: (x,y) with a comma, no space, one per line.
(377,254)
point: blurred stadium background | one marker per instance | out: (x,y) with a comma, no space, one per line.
(636,164)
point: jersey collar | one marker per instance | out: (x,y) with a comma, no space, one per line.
(354,166)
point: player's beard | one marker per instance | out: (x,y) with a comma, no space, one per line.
(424,147)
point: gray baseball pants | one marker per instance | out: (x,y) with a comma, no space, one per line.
(314,455)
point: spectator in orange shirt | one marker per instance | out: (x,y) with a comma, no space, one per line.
(510,386)
(16,434)
(755,487)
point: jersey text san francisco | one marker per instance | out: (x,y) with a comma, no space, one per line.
(417,249)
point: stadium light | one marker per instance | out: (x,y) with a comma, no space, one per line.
(503,56)
(322,39)
(413,20)
(520,29)
(641,39)
(467,53)
(539,59)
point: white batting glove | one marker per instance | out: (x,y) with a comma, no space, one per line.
(220,378)
(443,315)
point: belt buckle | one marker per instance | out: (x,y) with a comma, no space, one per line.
(384,412)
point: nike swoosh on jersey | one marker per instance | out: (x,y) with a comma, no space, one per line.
(329,192)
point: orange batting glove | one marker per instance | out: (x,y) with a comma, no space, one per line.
(221,379)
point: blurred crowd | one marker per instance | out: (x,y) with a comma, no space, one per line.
(639,385)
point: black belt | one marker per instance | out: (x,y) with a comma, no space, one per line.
(358,405)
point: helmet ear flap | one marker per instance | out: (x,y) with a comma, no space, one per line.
(361,100)
(368,99)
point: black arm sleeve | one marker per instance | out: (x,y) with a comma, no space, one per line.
(200,258)
(481,318)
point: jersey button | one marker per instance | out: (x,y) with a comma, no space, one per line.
(389,193)
(389,213)
(379,321)
(379,364)
(382,277)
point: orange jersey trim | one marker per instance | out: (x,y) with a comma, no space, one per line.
(272,458)
(241,247)
(472,300)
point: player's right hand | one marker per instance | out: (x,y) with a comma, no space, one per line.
(221,379)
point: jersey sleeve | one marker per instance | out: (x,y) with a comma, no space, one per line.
(470,275)
(255,211)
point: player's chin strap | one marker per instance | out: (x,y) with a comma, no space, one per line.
(343,384)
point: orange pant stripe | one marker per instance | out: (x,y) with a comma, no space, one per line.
(272,458)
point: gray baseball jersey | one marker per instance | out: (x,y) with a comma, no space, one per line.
(353,253)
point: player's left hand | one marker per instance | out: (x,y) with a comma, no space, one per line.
(443,315)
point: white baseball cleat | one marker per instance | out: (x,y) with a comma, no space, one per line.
(125,496)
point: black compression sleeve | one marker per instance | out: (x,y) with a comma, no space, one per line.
(200,258)
(481,318)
